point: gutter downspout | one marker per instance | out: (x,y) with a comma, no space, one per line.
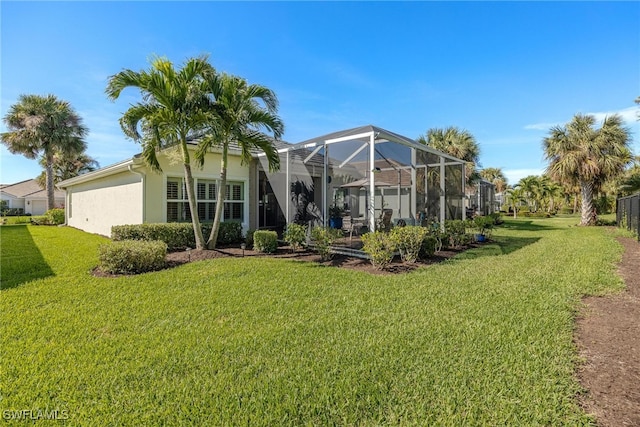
(144,191)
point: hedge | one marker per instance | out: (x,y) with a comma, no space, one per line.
(132,256)
(177,236)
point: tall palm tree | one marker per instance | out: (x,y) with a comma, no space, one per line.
(459,143)
(495,176)
(173,109)
(67,166)
(41,126)
(515,196)
(242,113)
(532,190)
(582,155)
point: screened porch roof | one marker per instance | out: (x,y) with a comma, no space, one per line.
(363,133)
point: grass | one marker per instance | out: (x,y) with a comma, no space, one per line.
(483,339)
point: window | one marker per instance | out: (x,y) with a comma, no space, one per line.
(206,193)
(177,202)
(234,203)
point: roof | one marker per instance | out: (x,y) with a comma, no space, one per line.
(363,133)
(28,188)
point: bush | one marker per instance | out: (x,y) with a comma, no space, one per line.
(455,233)
(323,238)
(230,232)
(380,247)
(265,241)
(295,235)
(132,256)
(248,239)
(428,246)
(55,216)
(177,235)
(408,241)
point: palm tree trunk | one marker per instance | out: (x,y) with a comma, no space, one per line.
(213,237)
(588,212)
(51,201)
(193,208)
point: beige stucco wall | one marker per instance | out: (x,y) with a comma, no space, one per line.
(156,197)
(97,205)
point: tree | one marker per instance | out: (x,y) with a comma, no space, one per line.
(515,196)
(173,110)
(581,155)
(495,176)
(242,113)
(41,126)
(531,191)
(458,143)
(68,166)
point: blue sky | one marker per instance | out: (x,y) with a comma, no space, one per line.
(504,71)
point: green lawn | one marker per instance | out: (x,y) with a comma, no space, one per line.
(484,339)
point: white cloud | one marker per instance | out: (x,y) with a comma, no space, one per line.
(629,115)
(541,126)
(515,175)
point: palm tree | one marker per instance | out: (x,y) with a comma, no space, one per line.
(532,190)
(68,166)
(41,126)
(515,196)
(495,176)
(459,143)
(173,110)
(242,112)
(581,155)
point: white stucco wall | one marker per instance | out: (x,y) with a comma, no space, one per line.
(97,205)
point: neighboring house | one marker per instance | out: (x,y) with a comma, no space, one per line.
(129,192)
(29,196)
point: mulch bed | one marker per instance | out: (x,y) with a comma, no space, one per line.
(608,338)
(343,261)
(175,259)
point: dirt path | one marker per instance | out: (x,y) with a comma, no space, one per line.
(608,336)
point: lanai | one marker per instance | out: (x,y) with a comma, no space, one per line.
(364,171)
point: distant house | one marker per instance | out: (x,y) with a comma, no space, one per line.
(365,170)
(29,197)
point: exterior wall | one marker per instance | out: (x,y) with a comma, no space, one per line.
(97,205)
(155,191)
(141,196)
(13,202)
(38,206)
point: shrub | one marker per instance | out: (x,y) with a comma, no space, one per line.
(132,256)
(455,235)
(323,238)
(497,218)
(265,241)
(380,247)
(408,241)
(230,232)
(428,246)
(177,235)
(295,235)
(248,240)
(55,216)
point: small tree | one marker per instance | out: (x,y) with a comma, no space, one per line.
(41,126)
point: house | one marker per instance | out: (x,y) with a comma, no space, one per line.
(313,175)
(28,197)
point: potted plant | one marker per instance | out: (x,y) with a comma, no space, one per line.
(335,216)
(483,225)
